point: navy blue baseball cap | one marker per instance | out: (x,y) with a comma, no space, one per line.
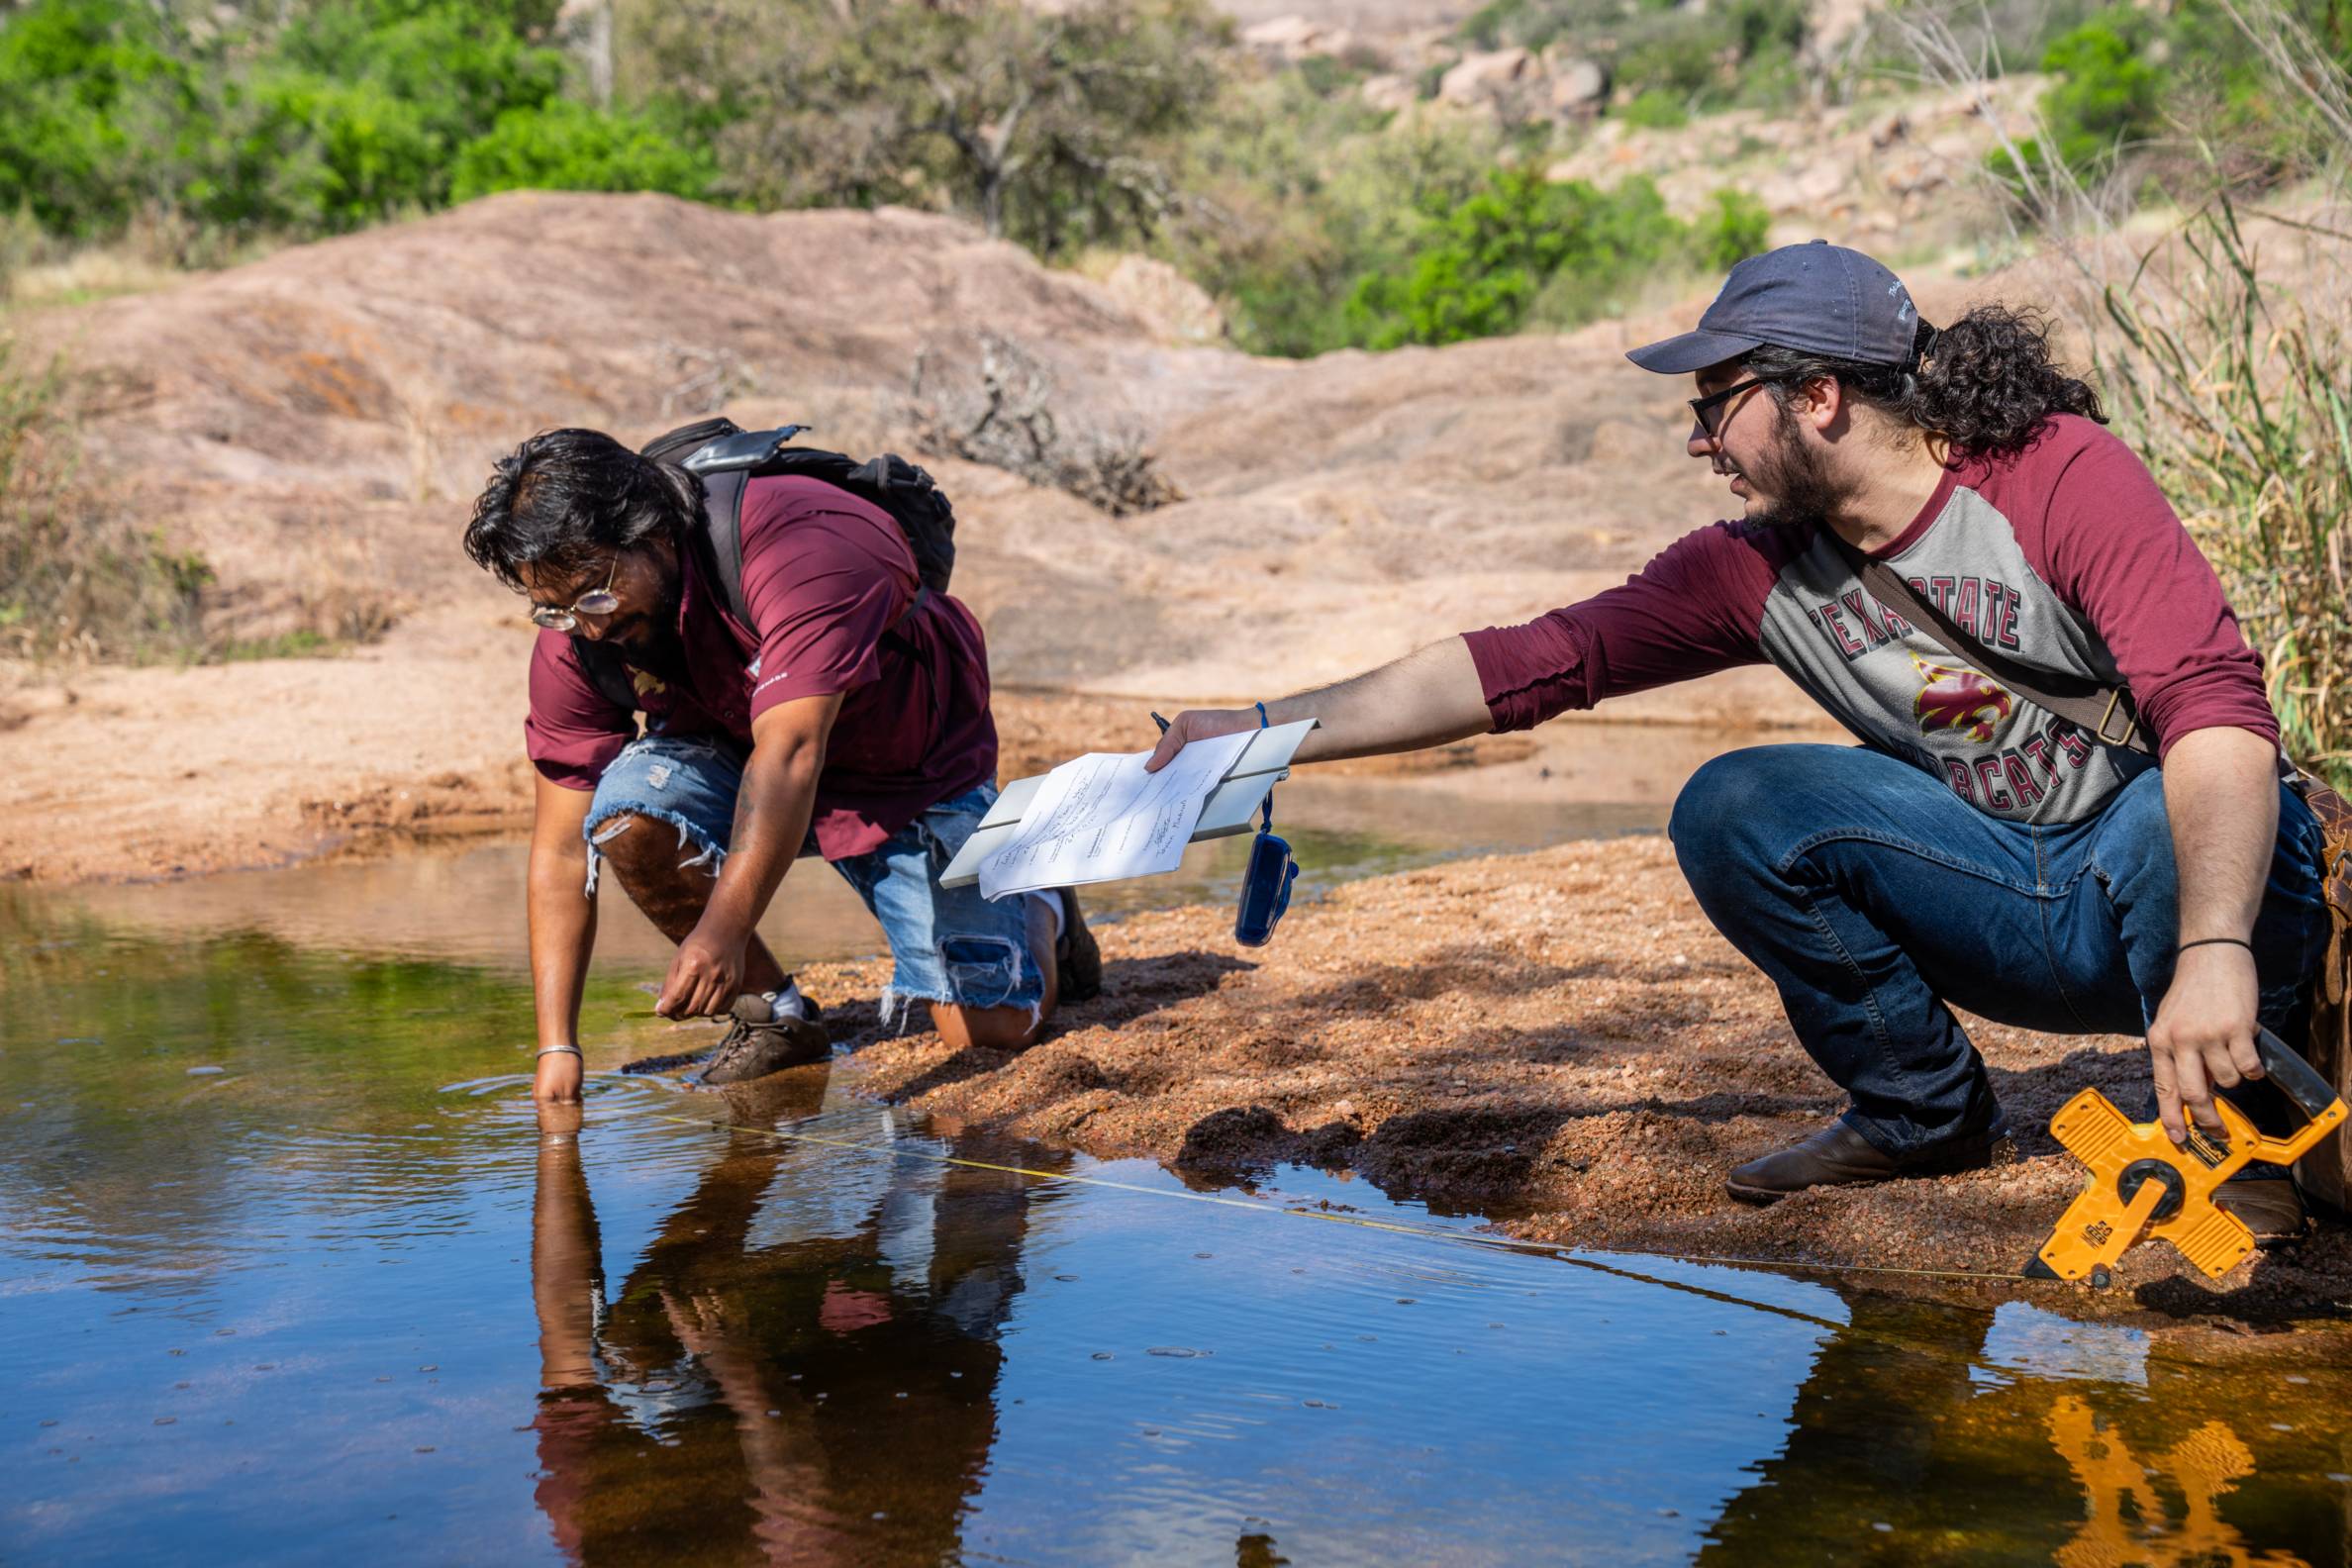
(1816,298)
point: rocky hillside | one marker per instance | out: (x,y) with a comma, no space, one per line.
(315,425)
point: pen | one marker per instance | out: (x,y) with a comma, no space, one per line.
(1162,723)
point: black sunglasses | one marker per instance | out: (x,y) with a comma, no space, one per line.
(1705,409)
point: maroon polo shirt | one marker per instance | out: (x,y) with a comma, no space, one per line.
(826,577)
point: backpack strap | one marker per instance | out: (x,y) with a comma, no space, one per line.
(2107,712)
(723,533)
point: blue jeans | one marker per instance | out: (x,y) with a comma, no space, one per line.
(945,945)
(1871,896)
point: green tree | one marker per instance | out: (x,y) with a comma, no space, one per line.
(92,95)
(1052,129)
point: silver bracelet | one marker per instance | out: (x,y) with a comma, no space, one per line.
(561,1050)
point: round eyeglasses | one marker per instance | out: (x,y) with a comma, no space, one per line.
(595,602)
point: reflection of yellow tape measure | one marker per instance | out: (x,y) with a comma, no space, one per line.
(2141,1185)
(2160,1509)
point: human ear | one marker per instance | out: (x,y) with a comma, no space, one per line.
(1819,399)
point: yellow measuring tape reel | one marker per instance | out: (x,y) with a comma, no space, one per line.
(2142,1185)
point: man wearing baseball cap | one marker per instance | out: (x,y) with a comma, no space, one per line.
(1916,509)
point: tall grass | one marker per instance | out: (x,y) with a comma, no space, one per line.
(2233,382)
(78,580)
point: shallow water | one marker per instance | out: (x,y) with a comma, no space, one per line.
(289,1272)
(463,900)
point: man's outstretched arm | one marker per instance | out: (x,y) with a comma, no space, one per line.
(1426,698)
(562,931)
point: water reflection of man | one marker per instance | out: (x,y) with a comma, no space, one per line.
(1976,849)
(822,1398)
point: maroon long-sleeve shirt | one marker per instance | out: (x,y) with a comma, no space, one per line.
(2065,556)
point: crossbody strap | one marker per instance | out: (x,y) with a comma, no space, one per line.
(2107,712)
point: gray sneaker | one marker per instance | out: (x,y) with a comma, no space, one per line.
(755,1050)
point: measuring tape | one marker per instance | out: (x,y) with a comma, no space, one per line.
(1395,1227)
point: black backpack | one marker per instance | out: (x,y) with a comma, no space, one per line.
(725,457)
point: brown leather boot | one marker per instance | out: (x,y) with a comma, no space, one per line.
(754,1050)
(1076,958)
(1839,1156)
(2269,1206)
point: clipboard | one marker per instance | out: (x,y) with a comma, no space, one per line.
(1262,764)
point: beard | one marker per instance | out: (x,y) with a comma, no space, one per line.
(1797,478)
(649,640)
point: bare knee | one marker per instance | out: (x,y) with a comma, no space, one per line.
(650,857)
(1005,1028)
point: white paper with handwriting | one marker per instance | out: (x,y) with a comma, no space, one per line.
(1099,817)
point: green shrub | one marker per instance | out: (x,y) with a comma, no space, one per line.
(1292,198)
(1522,250)
(1324,75)
(565,145)
(2176,102)
(1655,109)
(1735,228)
(2107,94)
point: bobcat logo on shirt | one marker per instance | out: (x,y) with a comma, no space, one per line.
(1958,699)
(646,685)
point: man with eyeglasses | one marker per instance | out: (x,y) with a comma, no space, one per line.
(845,714)
(2149,876)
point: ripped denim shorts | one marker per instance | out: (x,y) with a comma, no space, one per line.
(947,944)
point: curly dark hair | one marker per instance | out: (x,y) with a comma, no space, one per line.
(568,498)
(1986,383)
